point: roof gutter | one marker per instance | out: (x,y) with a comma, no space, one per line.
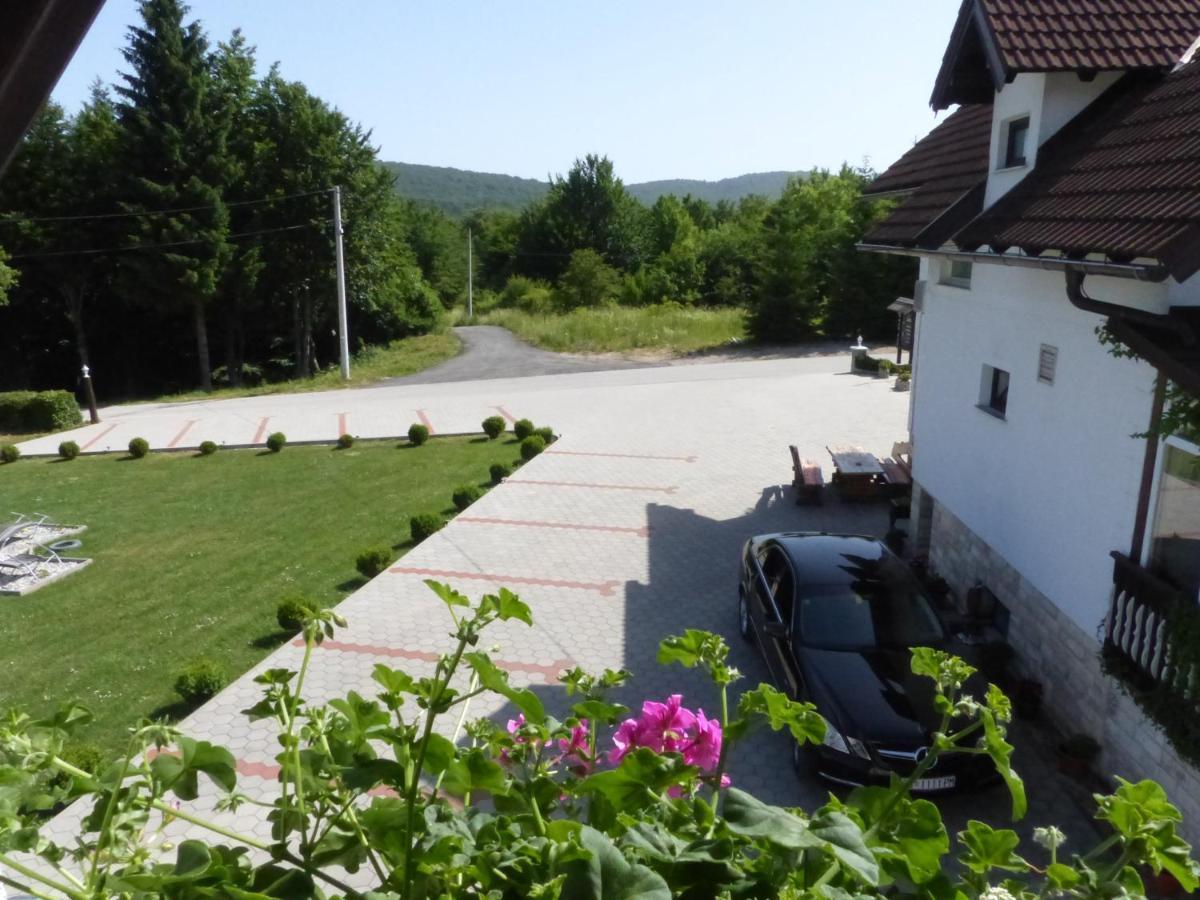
(1154,273)
(1161,321)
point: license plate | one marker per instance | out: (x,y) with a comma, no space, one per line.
(934,784)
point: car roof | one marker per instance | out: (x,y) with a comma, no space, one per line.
(829,558)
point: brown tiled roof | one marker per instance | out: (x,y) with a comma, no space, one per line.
(939,172)
(1122,180)
(1066,35)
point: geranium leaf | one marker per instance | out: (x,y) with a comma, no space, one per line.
(495,679)
(449,595)
(750,817)
(1000,752)
(845,839)
(474,772)
(607,875)
(989,848)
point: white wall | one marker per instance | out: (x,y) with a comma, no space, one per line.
(1052,487)
(1185,294)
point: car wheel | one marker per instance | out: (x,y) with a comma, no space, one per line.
(743,616)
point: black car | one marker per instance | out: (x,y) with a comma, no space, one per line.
(835,617)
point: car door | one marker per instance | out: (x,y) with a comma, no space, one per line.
(776,585)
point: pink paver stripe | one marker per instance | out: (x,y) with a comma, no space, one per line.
(425,420)
(342,429)
(687,459)
(262,429)
(604,588)
(504,412)
(100,435)
(182,431)
(606,487)
(643,531)
(550,670)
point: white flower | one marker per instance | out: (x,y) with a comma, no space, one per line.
(996,893)
(1050,838)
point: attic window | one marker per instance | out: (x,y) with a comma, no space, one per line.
(1014,143)
(1047,363)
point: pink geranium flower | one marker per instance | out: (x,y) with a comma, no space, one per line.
(575,748)
(671,728)
(704,749)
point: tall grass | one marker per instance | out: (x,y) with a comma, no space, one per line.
(671,327)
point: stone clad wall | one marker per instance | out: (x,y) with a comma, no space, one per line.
(1057,652)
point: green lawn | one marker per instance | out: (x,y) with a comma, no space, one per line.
(676,329)
(406,356)
(191,555)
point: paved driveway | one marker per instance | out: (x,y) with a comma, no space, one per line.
(626,531)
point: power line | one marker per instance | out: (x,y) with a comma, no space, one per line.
(95,250)
(17,219)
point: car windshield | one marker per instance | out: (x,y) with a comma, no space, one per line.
(881,608)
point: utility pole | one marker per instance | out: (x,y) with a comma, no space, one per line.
(343,325)
(470,280)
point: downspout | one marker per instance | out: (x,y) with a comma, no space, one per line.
(1161,321)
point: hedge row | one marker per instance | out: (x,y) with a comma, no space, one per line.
(27,411)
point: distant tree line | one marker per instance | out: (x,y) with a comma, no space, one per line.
(790,262)
(177,228)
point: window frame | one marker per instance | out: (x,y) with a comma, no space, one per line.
(1179,443)
(1005,159)
(947,276)
(988,378)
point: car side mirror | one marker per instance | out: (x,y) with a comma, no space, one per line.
(776,630)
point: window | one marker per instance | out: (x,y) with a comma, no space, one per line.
(1047,363)
(1014,142)
(957,272)
(1175,539)
(993,391)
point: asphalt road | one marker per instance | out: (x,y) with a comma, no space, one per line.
(490,352)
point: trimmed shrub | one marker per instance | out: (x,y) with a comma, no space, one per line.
(275,441)
(68,449)
(291,611)
(200,680)
(371,562)
(139,447)
(9,453)
(532,446)
(423,525)
(522,428)
(493,426)
(464,495)
(208,448)
(499,471)
(25,411)
(418,434)
(546,434)
(345,441)
(82,755)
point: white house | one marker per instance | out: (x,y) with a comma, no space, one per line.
(1060,199)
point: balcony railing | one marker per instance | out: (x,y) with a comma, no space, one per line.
(1139,626)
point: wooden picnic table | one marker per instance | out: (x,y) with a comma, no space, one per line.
(857,473)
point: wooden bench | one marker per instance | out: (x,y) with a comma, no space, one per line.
(898,478)
(806,478)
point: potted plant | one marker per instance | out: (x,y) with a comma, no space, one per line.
(1027,699)
(903,381)
(1075,754)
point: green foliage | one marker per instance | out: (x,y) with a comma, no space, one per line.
(538,809)
(68,449)
(138,447)
(664,326)
(372,562)
(587,281)
(423,525)
(522,428)
(418,434)
(276,441)
(532,446)
(208,448)
(345,441)
(546,433)
(200,680)
(498,472)
(526,294)
(9,453)
(292,611)
(32,411)
(464,495)
(493,426)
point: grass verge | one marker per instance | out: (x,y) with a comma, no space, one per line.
(192,554)
(618,329)
(406,356)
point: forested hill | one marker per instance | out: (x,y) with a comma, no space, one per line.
(458,191)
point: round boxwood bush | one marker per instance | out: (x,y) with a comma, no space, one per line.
(345,441)
(546,434)
(291,611)
(532,446)
(493,426)
(9,453)
(423,525)
(200,680)
(522,428)
(139,447)
(464,495)
(499,471)
(418,434)
(275,441)
(208,448)
(68,449)
(373,561)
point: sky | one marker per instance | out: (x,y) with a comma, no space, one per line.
(667,89)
